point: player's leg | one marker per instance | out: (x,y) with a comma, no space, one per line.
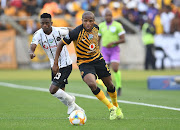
(106,55)
(117,76)
(59,81)
(65,98)
(89,79)
(115,60)
(113,95)
(88,76)
(104,73)
(111,89)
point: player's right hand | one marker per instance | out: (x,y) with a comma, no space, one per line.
(32,55)
(55,68)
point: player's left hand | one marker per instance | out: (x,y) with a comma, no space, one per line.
(55,68)
(110,45)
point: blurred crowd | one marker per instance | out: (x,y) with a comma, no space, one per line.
(164,14)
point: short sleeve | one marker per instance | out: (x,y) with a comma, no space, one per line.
(63,31)
(35,39)
(121,30)
(70,37)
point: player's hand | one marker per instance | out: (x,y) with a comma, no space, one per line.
(32,55)
(55,68)
(110,45)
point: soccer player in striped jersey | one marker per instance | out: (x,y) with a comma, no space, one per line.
(90,61)
(48,37)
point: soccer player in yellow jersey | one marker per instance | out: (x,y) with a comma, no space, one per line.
(91,62)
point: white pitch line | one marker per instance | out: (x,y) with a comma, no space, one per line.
(82,95)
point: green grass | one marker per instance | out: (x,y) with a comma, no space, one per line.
(27,109)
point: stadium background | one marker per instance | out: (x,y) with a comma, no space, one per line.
(24,99)
(22,16)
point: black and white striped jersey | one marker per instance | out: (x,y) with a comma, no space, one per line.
(49,44)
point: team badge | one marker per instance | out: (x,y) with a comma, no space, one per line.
(113,29)
(50,40)
(58,39)
(92,46)
(90,36)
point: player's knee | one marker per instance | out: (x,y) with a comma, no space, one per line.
(115,70)
(110,86)
(92,85)
(52,91)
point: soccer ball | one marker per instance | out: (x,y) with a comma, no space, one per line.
(77,117)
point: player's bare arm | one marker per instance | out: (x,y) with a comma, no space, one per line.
(31,50)
(120,41)
(99,39)
(55,67)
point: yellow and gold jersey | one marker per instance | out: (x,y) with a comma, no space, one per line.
(85,43)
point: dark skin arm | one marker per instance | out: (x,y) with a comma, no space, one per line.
(120,41)
(31,50)
(99,39)
(60,45)
(55,67)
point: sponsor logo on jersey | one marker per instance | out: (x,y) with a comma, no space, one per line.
(50,40)
(46,47)
(92,46)
(113,29)
(90,36)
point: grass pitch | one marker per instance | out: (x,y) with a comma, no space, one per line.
(29,109)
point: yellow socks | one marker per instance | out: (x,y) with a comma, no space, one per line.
(104,99)
(113,97)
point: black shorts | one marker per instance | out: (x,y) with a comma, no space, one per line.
(61,78)
(98,68)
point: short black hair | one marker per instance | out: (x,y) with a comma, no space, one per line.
(88,13)
(45,15)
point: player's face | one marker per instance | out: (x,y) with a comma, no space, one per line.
(46,25)
(88,22)
(108,17)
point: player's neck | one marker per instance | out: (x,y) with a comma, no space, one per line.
(48,32)
(109,23)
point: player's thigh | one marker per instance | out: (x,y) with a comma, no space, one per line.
(115,66)
(86,68)
(108,82)
(115,54)
(102,69)
(61,78)
(106,54)
(90,80)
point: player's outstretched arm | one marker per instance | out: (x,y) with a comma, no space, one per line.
(99,40)
(31,50)
(58,51)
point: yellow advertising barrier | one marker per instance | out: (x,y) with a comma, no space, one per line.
(7,50)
